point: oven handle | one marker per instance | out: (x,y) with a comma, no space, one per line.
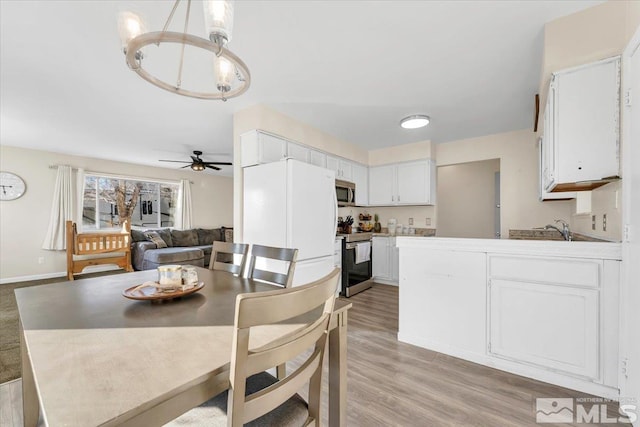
(353,245)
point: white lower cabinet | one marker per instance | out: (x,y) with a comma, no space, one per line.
(546,316)
(384,258)
(546,325)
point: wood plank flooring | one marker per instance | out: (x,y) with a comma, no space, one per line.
(396,384)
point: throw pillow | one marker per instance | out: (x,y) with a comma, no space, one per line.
(138,236)
(207,237)
(165,234)
(184,238)
(228,235)
(154,237)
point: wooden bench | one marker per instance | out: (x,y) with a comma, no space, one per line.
(96,244)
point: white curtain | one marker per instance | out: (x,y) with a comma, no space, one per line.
(63,208)
(79,199)
(184,216)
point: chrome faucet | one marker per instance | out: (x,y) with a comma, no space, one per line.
(566,233)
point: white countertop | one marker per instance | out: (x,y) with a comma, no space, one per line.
(601,250)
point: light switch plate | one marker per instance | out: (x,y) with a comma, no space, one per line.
(427,221)
(410,221)
(593,222)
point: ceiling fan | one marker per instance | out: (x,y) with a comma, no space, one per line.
(197,164)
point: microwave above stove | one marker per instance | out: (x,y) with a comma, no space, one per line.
(346,193)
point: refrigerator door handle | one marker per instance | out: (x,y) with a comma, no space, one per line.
(335,211)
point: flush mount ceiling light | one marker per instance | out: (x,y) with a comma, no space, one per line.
(232,77)
(415,121)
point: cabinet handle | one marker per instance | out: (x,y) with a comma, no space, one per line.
(398,198)
(393,198)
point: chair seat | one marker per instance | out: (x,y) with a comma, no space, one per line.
(213,413)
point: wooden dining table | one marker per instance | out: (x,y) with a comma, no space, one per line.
(91,357)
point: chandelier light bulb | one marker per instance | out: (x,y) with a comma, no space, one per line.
(130,26)
(218,20)
(224,71)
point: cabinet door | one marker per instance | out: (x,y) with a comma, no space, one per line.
(333,163)
(382,185)
(547,325)
(318,158)
(258,148)
(346,170)
(413,183)
(394,257)
(587,122)
(271,148)
(298,152)
(361,179)
(380,258)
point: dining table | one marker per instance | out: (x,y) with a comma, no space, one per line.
(91,357)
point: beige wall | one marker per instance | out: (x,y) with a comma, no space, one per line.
(23,222)
(466,199)
(518,154)
(604,200)
(401,153)
(270,120)
(595,33)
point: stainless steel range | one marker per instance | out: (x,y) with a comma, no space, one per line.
(356,263)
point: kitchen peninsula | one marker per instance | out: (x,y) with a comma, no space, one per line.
(547,310)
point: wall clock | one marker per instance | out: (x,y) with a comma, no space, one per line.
(11,186)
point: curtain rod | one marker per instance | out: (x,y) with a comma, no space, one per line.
(109,175)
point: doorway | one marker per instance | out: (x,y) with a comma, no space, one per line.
(469,199)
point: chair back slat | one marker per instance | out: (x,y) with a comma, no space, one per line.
(230,249)
(314,302)
(268,399)
(268,252)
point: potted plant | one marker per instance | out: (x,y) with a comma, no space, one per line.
(376,226)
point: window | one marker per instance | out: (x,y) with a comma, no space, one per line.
(155,205)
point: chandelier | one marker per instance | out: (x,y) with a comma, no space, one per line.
(231,76)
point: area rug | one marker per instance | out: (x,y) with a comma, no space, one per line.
(10,366)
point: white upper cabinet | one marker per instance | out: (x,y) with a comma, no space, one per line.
(298,152)
(361,180)
(342,168)
(317,158)
(382,185)
(584,126)
(411,183)
(258,147)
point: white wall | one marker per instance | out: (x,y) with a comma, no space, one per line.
(23,222)
(466,199)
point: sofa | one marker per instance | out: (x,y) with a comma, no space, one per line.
(192,247)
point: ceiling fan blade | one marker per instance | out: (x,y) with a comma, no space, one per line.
(218,163)
(186,166)
(174,161)
(211,167)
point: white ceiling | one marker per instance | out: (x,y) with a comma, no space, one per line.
(350,68)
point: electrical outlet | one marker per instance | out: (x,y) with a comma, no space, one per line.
(410,221)
(604,222)
(41,260)
(593,222)
(427,221)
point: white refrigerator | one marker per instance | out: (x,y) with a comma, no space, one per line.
(291,204)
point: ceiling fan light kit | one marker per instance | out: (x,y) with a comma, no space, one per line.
(415,121)
(232,76)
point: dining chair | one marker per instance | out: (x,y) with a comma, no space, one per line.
(268,252)
(255,397)
(226,261)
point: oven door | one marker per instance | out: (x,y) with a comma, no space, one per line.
(356,277)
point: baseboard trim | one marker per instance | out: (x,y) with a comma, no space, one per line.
(385,281)
(32,277)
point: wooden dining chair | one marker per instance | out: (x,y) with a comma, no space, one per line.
(281,254)
(222,257)
(255,397)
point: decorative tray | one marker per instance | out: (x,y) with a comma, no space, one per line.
(152,293)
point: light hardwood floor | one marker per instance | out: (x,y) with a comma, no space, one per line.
(396,384)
